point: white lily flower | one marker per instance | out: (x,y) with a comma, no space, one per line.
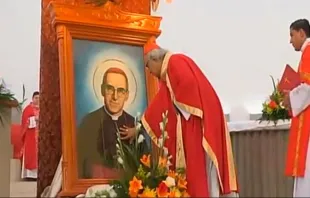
(100,190)
(169,162)
(161,126)
(138,127)
(165,151)
(140,138)
(112,193)
(166,135)
(170,182)
(120,160)
(160,142)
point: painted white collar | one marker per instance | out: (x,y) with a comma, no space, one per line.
(306,43)
(114,117)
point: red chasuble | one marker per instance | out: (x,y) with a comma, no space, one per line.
(300,127)
(205,132)
(30,138)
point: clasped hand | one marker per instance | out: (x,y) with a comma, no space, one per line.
(286,99)
(127,133)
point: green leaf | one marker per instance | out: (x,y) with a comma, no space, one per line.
(274,84)
(6,95)
(131,157)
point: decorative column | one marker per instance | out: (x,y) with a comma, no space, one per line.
(50,126)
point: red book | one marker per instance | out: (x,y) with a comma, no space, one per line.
(290,79)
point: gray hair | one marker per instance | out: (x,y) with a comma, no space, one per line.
(156,55)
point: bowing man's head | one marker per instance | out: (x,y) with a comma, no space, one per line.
(153,57)
(114,89)
(299,32)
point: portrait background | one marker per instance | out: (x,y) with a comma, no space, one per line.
(89,58)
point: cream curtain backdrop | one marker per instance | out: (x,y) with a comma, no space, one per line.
(238,44)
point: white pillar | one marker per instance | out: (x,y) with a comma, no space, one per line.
(5,152)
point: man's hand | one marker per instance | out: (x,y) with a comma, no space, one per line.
(286,100)
(127,133)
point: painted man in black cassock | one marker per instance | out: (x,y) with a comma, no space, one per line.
(96,138)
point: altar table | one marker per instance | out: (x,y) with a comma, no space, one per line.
(260,154)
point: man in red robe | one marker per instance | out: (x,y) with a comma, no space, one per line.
(30,118)
(198,137)
(298,100)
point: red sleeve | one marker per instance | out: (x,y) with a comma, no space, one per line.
(183,80)
(25,115)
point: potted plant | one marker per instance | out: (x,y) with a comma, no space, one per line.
(8,99)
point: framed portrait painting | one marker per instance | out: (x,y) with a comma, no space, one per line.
(103,84)
(110,92)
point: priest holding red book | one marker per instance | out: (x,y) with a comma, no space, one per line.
(297,99)
(198,137)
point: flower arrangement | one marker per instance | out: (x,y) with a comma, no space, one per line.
(146,174)
(273,109)
(7,98)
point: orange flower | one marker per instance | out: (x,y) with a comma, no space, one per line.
(133,194)
(146,160)
(172,174)
(185,194)
(162,190)
(272,104)
(134,186)
(175,193)
(148,193)
(162,161)
(182,183)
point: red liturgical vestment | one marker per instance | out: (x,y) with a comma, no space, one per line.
(204,133)
(30,138)
(300,126)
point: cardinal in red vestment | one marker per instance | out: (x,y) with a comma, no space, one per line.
(30,118)
(198,137)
